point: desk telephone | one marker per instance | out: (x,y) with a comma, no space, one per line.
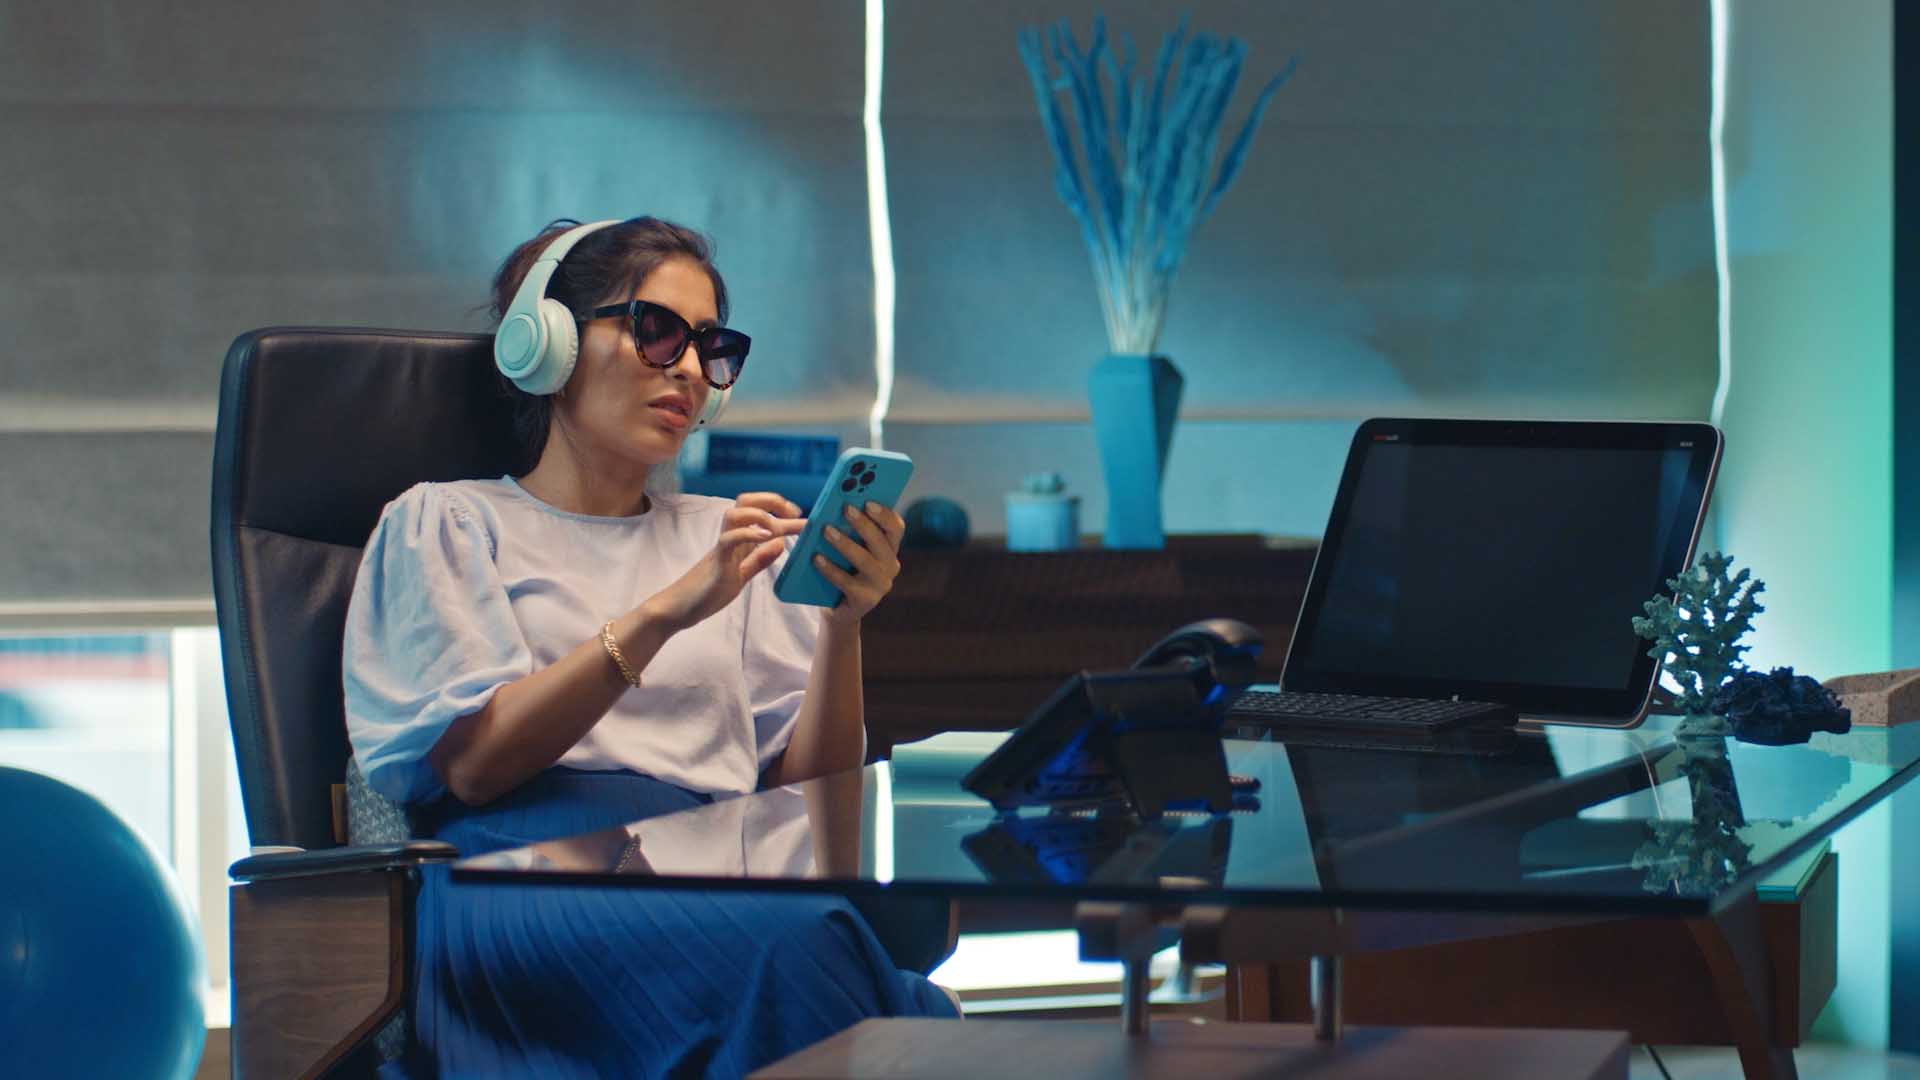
(1149,733)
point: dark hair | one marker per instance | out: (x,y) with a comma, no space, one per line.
(606,265)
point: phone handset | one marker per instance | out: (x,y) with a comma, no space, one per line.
(1221,654)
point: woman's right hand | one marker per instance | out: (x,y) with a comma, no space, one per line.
(752,536)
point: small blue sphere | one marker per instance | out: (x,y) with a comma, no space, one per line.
(100,966)
(935,522)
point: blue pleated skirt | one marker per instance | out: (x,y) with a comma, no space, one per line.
(567,981)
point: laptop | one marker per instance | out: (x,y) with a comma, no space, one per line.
(1476,573)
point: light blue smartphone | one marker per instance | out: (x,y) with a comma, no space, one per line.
(860,476)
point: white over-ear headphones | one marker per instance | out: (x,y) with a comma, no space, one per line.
(538,340)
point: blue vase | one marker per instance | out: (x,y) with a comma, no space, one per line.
(1134,400)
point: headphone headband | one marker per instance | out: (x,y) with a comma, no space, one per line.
(533,287)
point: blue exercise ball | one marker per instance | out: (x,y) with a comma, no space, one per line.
(100,967)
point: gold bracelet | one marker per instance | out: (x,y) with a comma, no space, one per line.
(619,659)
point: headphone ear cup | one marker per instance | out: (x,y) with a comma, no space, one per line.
(518,346)
(562,347)
(537,341)
(716,402)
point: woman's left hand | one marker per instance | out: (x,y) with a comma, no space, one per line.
(875,557)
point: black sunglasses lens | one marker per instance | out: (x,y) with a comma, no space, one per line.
(659,334)
(722,354)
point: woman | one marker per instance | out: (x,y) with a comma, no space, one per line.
(536,657)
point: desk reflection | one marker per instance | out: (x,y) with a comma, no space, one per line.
(800,831)
(1583,820)
(1074,849)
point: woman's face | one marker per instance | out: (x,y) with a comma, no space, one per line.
(615,403)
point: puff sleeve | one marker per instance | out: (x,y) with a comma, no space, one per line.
(430,637)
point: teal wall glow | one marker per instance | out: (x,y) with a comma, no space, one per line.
(1806,490)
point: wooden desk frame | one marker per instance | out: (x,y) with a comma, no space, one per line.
(1753,976)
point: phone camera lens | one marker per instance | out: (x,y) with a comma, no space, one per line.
(847,484)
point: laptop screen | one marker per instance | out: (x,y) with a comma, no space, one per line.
(1502,561)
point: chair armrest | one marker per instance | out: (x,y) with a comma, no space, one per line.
(338,860)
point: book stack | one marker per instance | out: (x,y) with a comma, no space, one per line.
(725,463)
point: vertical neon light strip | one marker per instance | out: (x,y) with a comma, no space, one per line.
(880,228)
(883,821)
(1722,265)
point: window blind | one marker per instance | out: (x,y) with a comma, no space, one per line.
(175,176)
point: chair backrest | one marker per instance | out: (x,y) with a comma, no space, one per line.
(318,430)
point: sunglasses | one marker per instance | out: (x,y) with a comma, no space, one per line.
(660,336)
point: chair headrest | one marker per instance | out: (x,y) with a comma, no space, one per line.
(320,428)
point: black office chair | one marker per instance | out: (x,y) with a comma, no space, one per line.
(318,430)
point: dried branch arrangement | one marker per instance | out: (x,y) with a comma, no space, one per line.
(1141,176)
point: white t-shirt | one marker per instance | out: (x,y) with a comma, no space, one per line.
(469,585)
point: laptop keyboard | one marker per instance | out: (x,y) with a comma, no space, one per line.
(1358,713)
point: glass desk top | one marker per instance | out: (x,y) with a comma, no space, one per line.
(1569,820)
